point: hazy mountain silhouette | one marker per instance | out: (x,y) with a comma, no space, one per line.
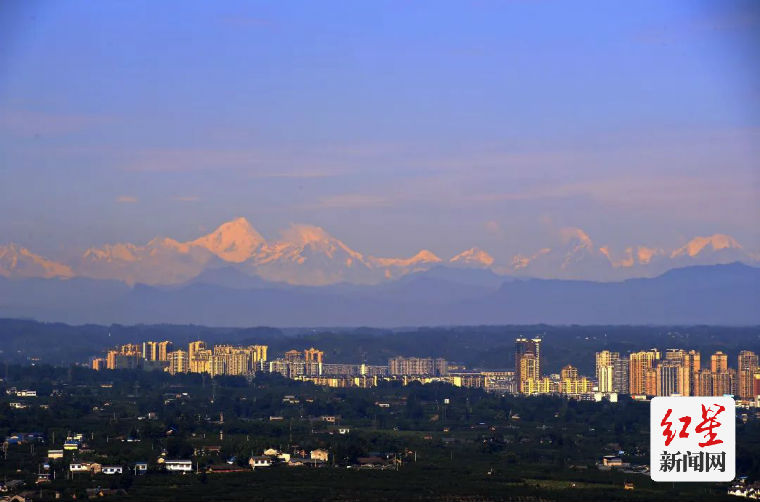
(715,294)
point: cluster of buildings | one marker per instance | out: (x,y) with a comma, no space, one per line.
(149,355)
(400,366)
(198,358)
(677,371)
(530,380)
(742,488)
(306,365)
(644,373)
(270,457)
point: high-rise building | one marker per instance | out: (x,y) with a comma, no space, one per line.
(194,347)
(725,382)
(217,365)
(313,355)
(704,383)
(259,353)
(163,350)
(670,375)
(605,371)
(528,371)
(717,384)
(179,362)
(575,386)
(239,360)
(605,358)
(695,366)
(568,371)
(417,366)
(156,351)
(125,357)
(746,369)
(719,362)
(650,381)
(524,346)
(199,357)
(685,362)
(605,378)
(620,376)
(543,385)
(200,362)
(150,351)
(640,366)
(239,363)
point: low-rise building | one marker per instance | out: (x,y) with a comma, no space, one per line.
(306,462)
(742,489)
(612,461)
(92,467)
(25,437)
(258,462)
(112,469)
(179,465)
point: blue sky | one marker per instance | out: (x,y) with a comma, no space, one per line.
(394,125)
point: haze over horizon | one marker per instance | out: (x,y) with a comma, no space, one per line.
(395,127)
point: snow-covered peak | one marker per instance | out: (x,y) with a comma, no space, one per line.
(17,261)
(473,257)
(714,242)
(234,241)
(316,239)
(301,235)
(423,257)
(124,252)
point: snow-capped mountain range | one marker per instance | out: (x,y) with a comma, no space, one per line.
(309,255)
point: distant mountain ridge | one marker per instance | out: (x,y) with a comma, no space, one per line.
(708,294)
(309,255)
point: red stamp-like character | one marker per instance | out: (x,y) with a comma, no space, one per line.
(709,423)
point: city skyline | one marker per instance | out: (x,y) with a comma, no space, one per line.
(640,374)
